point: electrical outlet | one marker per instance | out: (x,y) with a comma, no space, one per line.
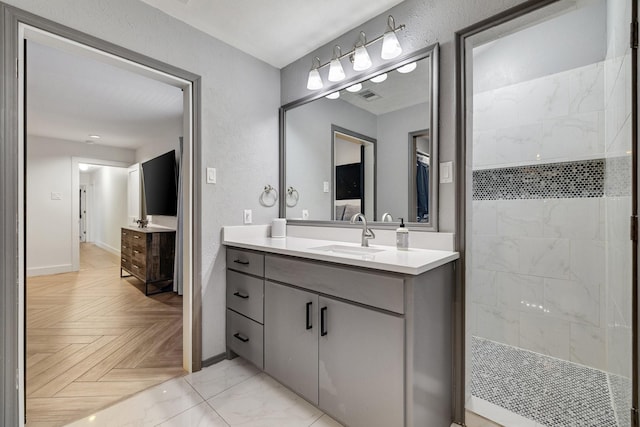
(211,175)
(325,186)
(305,214)
(247,216)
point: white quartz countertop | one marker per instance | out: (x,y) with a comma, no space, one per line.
(412,261)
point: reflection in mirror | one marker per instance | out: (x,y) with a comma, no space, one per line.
(353,174)
(346,152)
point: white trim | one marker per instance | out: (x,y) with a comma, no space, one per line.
(50,269)
(21,236)
(110,249)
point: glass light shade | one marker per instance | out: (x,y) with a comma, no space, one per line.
(355,88)
(361,59)
(314,82)
(390,46)
(334,95)
(336,72)
(407,68)
(379,79)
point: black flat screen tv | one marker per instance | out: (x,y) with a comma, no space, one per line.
(160,185)
(348,179)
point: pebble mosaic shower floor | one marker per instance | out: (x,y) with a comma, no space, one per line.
(550,391)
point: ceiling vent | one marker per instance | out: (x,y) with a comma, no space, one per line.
(369,95)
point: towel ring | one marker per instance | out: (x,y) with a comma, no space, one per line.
(292,194)
(267,190)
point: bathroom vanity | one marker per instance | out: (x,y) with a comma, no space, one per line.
(362,333)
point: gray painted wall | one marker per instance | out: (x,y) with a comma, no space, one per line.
(427,21)
(239,131)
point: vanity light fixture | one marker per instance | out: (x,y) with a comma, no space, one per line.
(336,72)
(390,45)
(407,68)
(314,81)
(379,78)
(355,88)
(359,56)
(333,95)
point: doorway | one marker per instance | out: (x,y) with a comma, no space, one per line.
(546,196)
(190,83)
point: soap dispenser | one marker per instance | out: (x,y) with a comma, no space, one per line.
(402,236)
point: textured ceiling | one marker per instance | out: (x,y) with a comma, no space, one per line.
(70,97)
(275,31)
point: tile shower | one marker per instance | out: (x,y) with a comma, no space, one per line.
(549,282)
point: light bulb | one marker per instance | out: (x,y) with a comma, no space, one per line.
(334,95)
(390,46)
(355,88)
(361,59)
(407,68)
(379,78)
(336,72)
(314,82)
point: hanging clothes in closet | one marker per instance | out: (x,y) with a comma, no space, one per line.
(422,186)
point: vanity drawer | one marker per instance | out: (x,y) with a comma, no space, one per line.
(375,289)
(245,261)
(245,295)
(245,338)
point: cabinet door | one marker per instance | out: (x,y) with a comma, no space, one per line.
(361,365)
(291,338)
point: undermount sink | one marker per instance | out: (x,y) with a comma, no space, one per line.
(349,250)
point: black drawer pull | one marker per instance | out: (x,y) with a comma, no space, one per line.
(239,295)
(309,325)
(241,337)
(323,321)
(237,261)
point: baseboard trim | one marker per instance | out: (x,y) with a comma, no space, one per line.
(52,269)
(107,248)
(214,359)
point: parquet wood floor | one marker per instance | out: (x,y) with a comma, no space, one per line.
(94,338)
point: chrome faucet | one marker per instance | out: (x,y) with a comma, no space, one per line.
(367,233)
(386,217)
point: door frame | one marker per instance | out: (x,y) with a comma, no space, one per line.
(12,180)
(462,129)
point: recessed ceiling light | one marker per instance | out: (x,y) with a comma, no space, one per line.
(334,95)
(407,68)
(355,88)
(94,136)
(380,78)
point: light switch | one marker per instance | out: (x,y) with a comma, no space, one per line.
(446,172)
(325,186)
(211,175)
(56,196)
(247,216)
(305,214)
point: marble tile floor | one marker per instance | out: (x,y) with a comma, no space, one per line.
(227,394)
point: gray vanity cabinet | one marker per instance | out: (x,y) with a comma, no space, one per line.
(361,364)
(291,338)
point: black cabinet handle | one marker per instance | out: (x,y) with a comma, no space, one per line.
(239,295)
(323,321)
(239,336)
(237,261)
(309,325)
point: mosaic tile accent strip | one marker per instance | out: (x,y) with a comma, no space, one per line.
(545,181)
(550,391)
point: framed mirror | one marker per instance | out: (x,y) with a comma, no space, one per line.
(344,150)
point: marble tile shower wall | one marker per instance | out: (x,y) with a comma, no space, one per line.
(617,100)
(538,265)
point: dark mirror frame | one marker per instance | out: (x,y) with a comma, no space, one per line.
(431,52)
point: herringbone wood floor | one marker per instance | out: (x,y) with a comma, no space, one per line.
(94,338)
